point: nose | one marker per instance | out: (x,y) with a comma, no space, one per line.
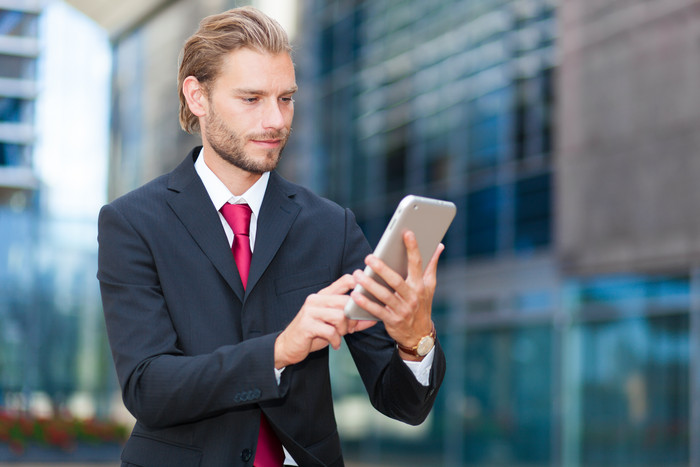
(274,116)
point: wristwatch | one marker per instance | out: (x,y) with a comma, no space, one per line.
(425,345)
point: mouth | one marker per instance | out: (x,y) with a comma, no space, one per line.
(267,143)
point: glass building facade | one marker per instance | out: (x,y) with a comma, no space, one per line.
(403,90)
(456,100)
(19,51)
(54,358)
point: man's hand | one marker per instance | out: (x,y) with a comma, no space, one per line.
(407,311)
(320,322)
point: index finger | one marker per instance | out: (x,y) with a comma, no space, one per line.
(341,286)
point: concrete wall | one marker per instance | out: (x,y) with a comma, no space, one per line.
(628,148)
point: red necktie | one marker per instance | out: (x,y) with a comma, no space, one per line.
(269,452)
(238,217)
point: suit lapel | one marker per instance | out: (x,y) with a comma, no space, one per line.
(277,215)
(195,210)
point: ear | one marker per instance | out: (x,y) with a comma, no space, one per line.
(195,96)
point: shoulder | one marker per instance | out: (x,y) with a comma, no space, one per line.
(152,195)
(145,198)
(305,198)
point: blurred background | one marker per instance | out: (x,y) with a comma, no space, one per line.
(567,133)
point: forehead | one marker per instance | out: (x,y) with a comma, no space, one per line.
(249,69)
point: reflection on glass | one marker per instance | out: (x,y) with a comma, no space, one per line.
(635,402)
(633,356)
(506,406)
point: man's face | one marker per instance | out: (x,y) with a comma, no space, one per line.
(250,109)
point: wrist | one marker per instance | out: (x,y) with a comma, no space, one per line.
(420,349)
(280,360)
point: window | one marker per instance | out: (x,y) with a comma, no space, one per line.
(487,118)
(507,397)
(634,402)
(396,169)
(533,106)
(11,154)
(533,212)
(632,353)
(11,109)
(484,143)
(16,23)
(16,67)
(437,159)
(327,50)
(483,208)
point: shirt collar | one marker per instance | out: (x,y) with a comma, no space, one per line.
(221,195)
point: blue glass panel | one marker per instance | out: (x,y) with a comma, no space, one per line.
(395,170)
(669,292)
(482,221)
(635,403)
(507,397)
(10,109)
(10,21)
(11,154)
(533,216)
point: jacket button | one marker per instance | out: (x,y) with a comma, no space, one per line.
(246,454)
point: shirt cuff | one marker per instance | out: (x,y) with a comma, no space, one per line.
(421,370)
(278,375)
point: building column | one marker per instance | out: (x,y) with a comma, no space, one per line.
(694,367)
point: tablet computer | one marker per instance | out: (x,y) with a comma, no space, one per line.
(429,220)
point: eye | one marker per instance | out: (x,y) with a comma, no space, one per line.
(250,100)
(287,100)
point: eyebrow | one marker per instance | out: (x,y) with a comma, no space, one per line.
(291,90)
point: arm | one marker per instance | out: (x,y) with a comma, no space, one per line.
(162,384)
(391,385)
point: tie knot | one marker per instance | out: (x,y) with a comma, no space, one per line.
(238,217)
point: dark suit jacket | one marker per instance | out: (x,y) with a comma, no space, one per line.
(194,351)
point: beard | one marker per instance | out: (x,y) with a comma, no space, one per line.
(230,146)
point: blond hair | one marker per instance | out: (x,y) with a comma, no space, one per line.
(217,36)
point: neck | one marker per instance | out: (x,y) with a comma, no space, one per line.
(237,180)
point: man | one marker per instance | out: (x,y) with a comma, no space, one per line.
(223,284)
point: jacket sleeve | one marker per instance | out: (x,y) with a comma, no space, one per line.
(161,386)
(392,387)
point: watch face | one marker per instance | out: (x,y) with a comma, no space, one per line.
(425,345)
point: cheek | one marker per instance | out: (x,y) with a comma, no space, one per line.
(236,122)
